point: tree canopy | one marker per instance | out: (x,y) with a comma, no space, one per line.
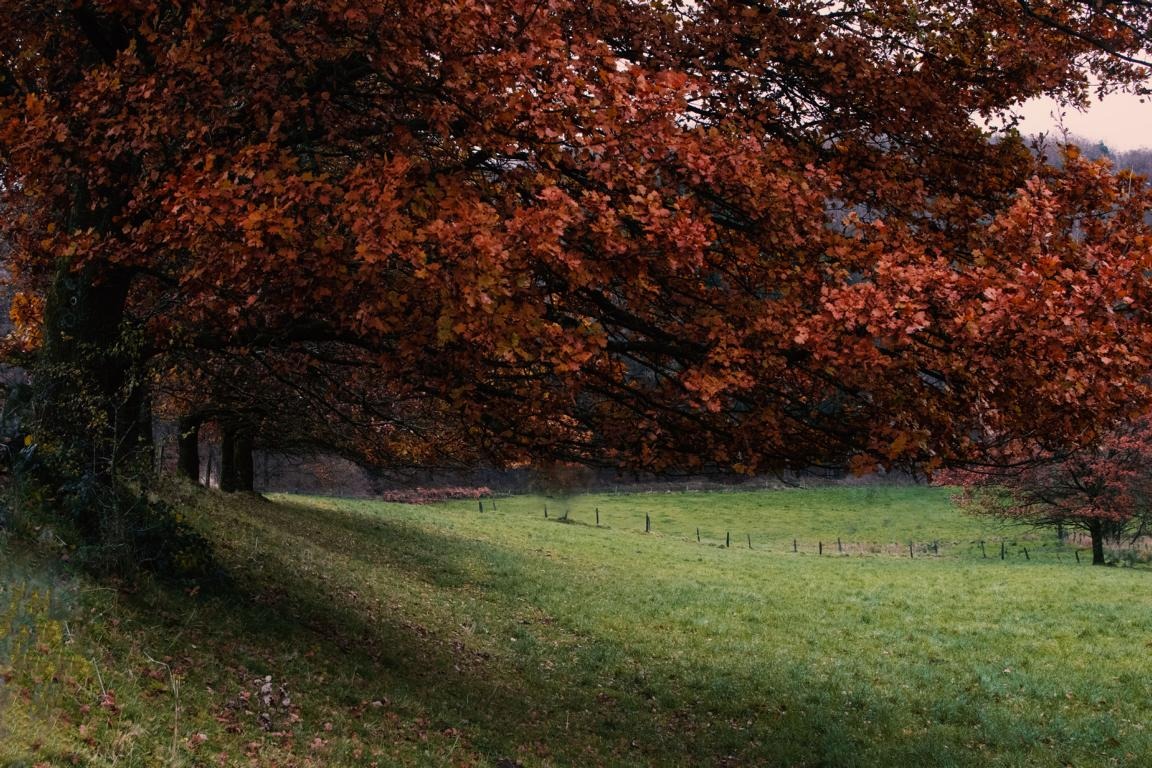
(721,233)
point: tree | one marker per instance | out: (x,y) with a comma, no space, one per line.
(717,234)
(1137,160)
(308,403)
(1105,489)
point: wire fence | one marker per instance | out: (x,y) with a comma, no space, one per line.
(1062,547)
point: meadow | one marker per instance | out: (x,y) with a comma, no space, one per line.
(363,633)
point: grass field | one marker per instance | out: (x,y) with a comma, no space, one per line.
(358,633)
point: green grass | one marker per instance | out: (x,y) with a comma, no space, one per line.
(437,635)
(850,521)
(865,516)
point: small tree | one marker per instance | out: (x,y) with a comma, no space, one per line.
(1104,489)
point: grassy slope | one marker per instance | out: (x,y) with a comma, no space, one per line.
(439,636)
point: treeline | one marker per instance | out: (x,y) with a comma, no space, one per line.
(1136,160)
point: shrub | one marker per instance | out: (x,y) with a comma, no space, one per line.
(433,495)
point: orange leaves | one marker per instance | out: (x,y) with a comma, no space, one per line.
(26,312)
(725,236)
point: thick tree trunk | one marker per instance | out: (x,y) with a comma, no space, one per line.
(188,443)
(88,395)
(81,353)
(245,468)
(228,478)
(1096,531)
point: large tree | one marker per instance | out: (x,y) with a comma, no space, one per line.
(719,233)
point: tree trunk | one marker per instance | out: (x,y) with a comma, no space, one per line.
(228,478)
(88,396)
(82,355)
(1096,530)
(188,442)
(245,467)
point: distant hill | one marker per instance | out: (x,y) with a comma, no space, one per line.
(1137,160)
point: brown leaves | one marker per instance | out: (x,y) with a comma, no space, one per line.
(607,230)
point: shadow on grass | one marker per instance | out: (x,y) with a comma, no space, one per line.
(435,633)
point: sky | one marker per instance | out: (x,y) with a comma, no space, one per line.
(1120,121)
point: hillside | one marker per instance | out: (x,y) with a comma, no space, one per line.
(362,633)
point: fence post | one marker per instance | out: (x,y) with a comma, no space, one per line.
(728,539)
(982,552)
(839,546)
(794,548)
(545,510)
(597,517)
(697,535)
(481,503)
(1026,553)
(1077,556)
(749,541)
(910,555)
(820,548)
(1003,551)
(647,523)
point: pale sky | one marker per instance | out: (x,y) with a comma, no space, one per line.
(1120,121)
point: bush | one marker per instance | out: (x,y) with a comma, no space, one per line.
(432,495)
